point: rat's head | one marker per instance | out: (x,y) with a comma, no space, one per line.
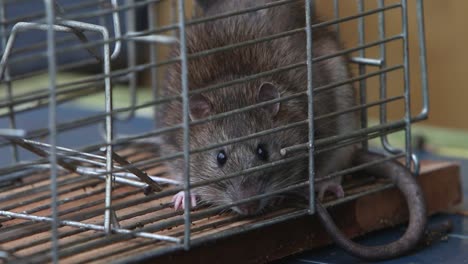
(243,155)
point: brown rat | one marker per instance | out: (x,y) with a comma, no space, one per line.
(243,61)
(233,64)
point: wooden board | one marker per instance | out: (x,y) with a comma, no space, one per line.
(31,240)
(440,182)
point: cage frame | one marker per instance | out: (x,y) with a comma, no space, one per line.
(52,24)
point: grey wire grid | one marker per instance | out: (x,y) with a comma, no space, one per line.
(95,164)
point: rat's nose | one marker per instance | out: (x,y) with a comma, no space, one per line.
(249,208)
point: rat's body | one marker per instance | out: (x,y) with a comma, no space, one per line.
(252,59)
(248,60)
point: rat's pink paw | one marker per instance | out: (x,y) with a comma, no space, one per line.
(335,188)
(179,200)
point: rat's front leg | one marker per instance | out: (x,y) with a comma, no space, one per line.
(179,200)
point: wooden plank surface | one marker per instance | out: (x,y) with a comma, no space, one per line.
(440,182)
(31,240)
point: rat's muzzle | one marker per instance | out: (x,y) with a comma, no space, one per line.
(250,208)
(247,191)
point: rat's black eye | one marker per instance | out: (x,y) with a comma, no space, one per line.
(222,158)
(262,152)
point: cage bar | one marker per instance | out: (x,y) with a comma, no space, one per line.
(93,201)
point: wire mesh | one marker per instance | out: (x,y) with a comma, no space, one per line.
(92,172)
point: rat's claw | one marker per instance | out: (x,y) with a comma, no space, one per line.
(335,188)
(179,200)
(194,200)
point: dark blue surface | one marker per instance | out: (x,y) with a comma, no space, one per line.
(73,138)
(18,12)
(22,9)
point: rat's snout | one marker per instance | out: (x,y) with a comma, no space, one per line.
(246,191)
(250,208)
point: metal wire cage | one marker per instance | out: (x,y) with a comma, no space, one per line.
(80,189)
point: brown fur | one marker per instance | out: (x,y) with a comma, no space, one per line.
(237,63)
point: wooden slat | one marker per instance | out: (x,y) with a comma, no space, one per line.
(440,182)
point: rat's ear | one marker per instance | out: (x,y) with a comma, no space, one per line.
(267,92)
(200,107)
